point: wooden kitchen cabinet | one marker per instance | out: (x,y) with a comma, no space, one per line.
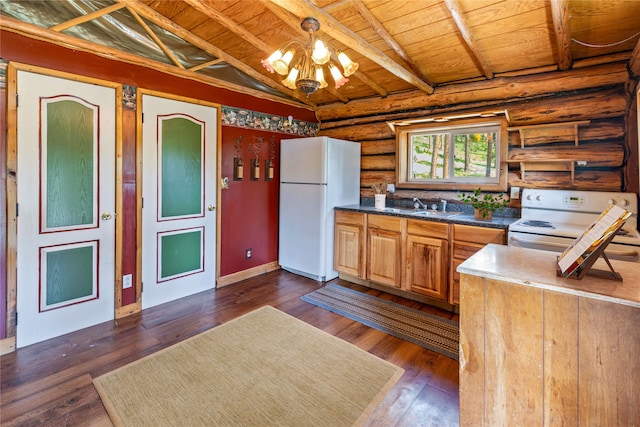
(427,258)
(466,240)
(349,256)
(385,249)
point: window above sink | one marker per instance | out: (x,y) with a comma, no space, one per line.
(457,155)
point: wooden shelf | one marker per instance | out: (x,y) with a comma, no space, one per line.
(550,132)
(567,131)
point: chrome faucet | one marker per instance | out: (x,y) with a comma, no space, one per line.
(444,205)
(418,204)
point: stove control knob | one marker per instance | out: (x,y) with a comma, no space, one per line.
(538,197)
(529,197)
(624,202)
(612,201)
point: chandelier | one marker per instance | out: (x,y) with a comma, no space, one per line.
(308,72)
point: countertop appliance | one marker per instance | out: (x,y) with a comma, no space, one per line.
(552,219)
(316,175)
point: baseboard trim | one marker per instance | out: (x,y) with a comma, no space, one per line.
(399,292)
(7,345)
(246,274)
(128,310)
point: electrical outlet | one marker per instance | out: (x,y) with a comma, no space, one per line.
(248,253)
(515,192)
(127,281)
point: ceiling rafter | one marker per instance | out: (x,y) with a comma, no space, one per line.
(61,39)
(86,18)
(560,14)
(155,38)
(335,29)
(188,36)
(208,9)
(465,31)
(389,39)
(294,22)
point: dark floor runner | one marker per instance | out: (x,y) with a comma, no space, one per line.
(424,329)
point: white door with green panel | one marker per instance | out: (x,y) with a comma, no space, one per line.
(179,143)
(66,200)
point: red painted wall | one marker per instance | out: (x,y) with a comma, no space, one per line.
(249,211)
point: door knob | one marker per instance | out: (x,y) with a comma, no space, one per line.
(211,207)
(106,216)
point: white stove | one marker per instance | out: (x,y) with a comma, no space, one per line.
(552,219)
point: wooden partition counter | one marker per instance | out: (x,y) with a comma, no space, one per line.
(541,350)
(537,268)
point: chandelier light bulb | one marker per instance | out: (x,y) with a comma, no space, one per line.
(282,65)
(337,76)
(268,63)
(290,81)
(320,78)
(321,54)
(348,65)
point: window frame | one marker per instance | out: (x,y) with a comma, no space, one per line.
(499,183)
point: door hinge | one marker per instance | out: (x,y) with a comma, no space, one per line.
(142,117)
(16,210)
(142,202)
(16,318)
(17,101)
(141,286)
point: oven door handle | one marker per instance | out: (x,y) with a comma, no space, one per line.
(537,243)
(622,254)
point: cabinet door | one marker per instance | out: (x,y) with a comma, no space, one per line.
(384,257)
(349,250)
(427,266)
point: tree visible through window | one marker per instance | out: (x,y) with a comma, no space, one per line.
(434,156)
(470,154)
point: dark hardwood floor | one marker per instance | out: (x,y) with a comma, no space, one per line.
(50,383)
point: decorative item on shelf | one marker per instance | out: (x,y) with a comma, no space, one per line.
(308,72)
(255,162)
(379,194)
(484,204)
(238,166)
(268,164)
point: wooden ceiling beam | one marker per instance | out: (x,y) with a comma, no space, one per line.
(155,38)
(188,36)
(560,14)
(461,22)
(389,39)
(490,92)
(86,18)
(207,8)
(60,39)
(336,30)
(294,22)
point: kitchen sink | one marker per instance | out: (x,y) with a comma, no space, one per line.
(438,214)
(422,213)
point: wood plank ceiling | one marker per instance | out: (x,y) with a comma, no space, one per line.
(402,47)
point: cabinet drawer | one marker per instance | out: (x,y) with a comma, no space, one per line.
(350,218)
(390,223)
(469,233)
(464,250)
(439,230)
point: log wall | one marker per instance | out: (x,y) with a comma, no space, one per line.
(603,142)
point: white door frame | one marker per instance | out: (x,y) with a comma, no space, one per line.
(139,174)
(13,181)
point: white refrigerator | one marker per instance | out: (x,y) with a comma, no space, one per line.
(316,174)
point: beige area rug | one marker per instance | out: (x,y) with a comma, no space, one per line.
(265,368)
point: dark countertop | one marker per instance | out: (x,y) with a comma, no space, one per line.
(462,218)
